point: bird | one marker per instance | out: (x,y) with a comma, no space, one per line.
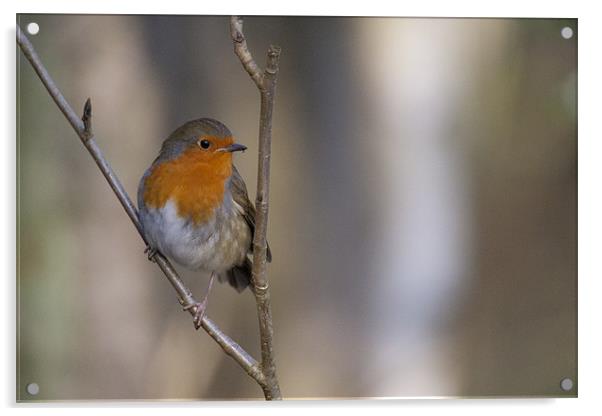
(194,207)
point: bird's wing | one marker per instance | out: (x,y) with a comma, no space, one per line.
(241,197)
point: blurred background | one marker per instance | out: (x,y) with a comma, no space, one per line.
(422,218)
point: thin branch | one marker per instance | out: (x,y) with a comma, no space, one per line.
(83,128)
(242,51)
(266,83)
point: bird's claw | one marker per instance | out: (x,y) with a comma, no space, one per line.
(197,309)
(198,312)
(151,252)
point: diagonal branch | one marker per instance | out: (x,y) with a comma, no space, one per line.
(83,128)
(266,83)
(242,51)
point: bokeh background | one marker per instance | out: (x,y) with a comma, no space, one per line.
(422,219)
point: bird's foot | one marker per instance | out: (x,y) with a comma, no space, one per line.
(150,252)
(197,310)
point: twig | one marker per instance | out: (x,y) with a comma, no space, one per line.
(83,128)
(242,51)
(266,83)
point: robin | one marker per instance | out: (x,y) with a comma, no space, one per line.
(194,207)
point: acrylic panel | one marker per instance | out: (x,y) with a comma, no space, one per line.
(422,207)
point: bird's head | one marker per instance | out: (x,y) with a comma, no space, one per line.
(206,140)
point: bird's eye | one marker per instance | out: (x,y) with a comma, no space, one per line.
(205,144)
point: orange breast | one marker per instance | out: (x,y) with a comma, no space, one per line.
(195,181)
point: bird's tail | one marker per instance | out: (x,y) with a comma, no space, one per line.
(239,276)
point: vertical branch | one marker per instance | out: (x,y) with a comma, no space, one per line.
(266,83)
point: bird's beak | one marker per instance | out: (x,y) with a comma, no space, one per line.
(234,147)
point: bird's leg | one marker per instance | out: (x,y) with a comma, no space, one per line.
(200,307)
(150,251)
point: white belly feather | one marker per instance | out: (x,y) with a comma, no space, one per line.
(216,246)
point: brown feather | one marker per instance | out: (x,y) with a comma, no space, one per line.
(241,197)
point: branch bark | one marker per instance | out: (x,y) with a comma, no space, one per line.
(83,128)
(266,83)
